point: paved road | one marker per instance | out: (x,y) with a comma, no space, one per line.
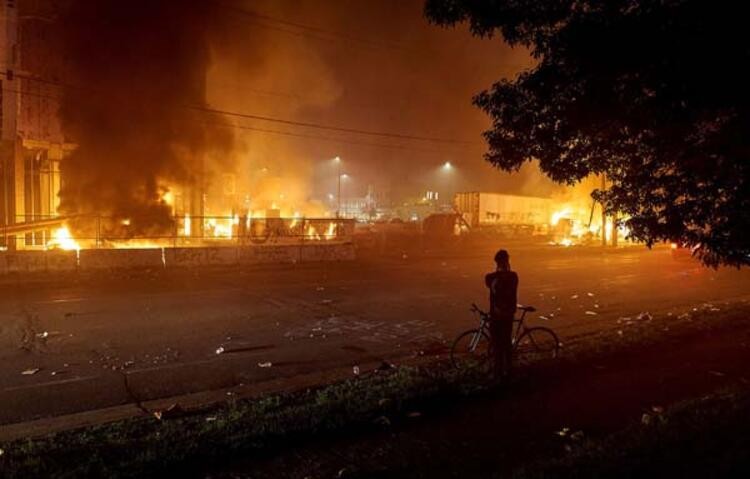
(104,340)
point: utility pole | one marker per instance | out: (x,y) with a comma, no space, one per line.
(338,193)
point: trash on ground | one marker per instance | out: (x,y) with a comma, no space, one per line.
(30,372)
(590,295)
(591,313)
(220,350)
(544,318)
(211,419)
(575,296)
(355,370)
(645,316)
(385,366)
(383,421)
(172,411)
(266,364)
(58,372)
(42,335)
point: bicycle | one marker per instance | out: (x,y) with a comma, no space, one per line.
(472,348)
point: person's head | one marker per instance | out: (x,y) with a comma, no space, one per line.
(502,259)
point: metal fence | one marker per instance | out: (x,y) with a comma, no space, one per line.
(87,232)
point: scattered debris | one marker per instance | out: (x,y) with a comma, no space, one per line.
(211,419)
(383,421)
(42,335)
(30,372)
(563,432)
(55,373)
(385,366)
(645,316)
(326,301)
(220,350)
(266,364)
(355,370)
(591,313)
(172,411)
(575,296)
(590,295)
(544,318)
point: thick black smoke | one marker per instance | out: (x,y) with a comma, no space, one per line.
(136,70)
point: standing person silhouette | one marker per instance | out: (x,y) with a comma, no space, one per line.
(503,286)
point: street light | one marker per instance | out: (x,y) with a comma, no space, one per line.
(447,166)
(337,160)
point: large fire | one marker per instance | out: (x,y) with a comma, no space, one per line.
(62,239)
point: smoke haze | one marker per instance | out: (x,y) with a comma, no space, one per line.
(134,69)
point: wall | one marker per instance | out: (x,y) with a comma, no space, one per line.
(102,259)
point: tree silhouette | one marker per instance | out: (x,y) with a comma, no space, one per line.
(653,94)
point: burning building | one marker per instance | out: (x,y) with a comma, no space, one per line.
(33,143)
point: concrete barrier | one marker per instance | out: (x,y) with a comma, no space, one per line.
(269,254)
(190,257)
(98,259)
(327,252)
(26,262)
(91,259)
(62,260)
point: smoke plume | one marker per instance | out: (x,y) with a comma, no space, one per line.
(137,80)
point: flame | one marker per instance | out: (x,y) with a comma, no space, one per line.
(558,215)
(62,239)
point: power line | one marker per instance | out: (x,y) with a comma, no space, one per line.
(328,138)
(314,32)
(332,128)
(284,121)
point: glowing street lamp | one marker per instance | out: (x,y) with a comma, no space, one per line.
(447,166)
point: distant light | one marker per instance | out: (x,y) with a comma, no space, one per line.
(331,196)
(337,159)
(344,176)
(447,166)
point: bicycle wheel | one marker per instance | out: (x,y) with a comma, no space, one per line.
(536,344)
(470,349)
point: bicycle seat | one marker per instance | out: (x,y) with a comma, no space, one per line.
(528,309)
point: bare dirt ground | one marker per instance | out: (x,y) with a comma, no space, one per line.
(81,337)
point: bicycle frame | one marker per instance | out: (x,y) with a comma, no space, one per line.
(484,327)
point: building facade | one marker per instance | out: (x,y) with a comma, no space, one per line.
(32,143)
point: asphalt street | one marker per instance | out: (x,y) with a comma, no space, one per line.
(88,342)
